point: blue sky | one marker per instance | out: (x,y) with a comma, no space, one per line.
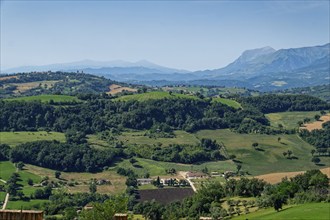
(190,35)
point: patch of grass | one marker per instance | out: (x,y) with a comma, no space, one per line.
(20,137)
(46,98)
(270,158)
(289,120)
(6,169)
(27,205)
(228,102)
(310,211)
(117,182)
(137,137)
(154,95)
(94,141)
(157,168)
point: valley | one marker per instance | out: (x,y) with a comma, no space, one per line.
(85,143)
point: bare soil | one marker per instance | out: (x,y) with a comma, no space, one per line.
(277,177)
(114,89)
(317,124)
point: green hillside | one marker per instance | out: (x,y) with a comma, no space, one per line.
(154,95)
(311,211)
(46,98)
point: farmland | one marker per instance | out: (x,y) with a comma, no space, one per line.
(23,87)
(20,137)
(290,120)
(46,98)
(165,196)
(309,211)
(115,89)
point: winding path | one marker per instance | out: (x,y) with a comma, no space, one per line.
(6,198)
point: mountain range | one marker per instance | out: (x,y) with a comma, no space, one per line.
(263,69)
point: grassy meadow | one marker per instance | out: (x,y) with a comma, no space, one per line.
(157,168)
(46,98)
(228,102)
(309,211)
(289,120)
(20,137)
(138,137)
(154,95)
(270,157)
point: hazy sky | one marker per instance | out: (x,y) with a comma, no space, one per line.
(180,34)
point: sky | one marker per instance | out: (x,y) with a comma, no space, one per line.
(191,35)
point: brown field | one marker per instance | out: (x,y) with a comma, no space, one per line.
(23,87)
(83,179)
(166,195)
(114,89)
(7,77)
(277,177)
(317,124)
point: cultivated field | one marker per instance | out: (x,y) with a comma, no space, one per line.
(277,177)
(114,89)
(46,98)
(269,158)
(309,211)
(3,78)
(290,120)
(317,124)
(23,87)
(20,137)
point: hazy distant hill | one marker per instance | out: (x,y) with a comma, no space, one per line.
(101,67)
(264,69)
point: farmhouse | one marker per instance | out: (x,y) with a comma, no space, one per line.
(196,175)
(144,181)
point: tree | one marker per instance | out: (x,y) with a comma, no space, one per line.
(289,154)
(316,160)
(317,117)
(285,153)
(92,187)
(57,174)
(300,123)
(238,167)
(106,210)
(30,182)
(313,152)
(20,165)
(255,144)
(278,139)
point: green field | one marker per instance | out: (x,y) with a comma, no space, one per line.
(157,168)
(27,205)
(46,98)
(20,137)
(137,137)
(289,120)
(270,158)
(154,95)
(310,211)
(6,169)
(228,102)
